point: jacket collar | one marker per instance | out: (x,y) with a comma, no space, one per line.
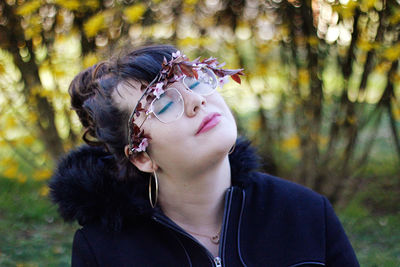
(86,189)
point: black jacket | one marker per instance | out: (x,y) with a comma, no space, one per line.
(267,221)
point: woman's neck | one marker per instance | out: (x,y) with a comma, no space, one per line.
(196,201)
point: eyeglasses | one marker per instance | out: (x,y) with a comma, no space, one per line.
(169,106)
(167,103)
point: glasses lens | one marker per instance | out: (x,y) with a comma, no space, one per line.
(169,107)
(204,85)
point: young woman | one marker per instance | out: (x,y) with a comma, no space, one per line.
(163,183)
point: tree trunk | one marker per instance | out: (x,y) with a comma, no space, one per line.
(30,76)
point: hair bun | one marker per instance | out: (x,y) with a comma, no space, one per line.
(82,88)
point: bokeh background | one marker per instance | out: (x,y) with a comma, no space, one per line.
(320,101)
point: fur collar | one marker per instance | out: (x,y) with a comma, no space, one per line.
(85,188)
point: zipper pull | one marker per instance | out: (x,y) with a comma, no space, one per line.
(217,261)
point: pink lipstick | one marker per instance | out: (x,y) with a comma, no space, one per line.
(209,122)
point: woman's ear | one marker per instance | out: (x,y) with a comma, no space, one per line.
(142,161)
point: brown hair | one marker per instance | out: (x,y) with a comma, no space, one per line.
(91,97)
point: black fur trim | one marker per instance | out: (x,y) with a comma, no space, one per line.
(243,160)
(86,189)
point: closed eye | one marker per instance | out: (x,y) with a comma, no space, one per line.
(194,85)
(165,107)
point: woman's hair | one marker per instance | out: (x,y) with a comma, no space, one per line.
(91,97)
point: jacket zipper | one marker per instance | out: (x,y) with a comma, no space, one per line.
(217,261)
(225,221)
(173,227)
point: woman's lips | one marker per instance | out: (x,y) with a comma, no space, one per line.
(209,122)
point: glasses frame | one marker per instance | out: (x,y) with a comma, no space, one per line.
(155,99)
(146,92)
(210,72)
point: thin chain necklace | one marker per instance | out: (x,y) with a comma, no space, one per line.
(214,239)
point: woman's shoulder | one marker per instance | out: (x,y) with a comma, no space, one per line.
(276,191)
(244,163)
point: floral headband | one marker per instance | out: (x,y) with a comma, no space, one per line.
(171,71)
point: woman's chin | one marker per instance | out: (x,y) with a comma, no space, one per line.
(222,145)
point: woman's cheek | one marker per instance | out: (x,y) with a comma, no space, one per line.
(163,135)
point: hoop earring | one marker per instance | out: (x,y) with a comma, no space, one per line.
(150,197)
(232,149)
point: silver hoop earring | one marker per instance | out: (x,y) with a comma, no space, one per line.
(232,149)
(150,193)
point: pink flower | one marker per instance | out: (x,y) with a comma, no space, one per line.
(178,77)
(211,62)
(143,145)
(149,110)
(158,90)
(222,81)
(213,65)
(221,65)
(177,54)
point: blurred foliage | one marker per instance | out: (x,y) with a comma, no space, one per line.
(321,84)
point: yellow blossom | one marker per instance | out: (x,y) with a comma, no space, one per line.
(392,53)
(41,175)
(190,2)
(395,18)
(11,171)
(304,77)
(28,140)
(94,25)
(29,7)
(89,60)
(291,142)
(396,113)
(10,122)
(21,178)
(44,191)
(313,41)
(134,12)
(70,4)
(365,45)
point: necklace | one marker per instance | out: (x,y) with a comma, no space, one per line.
(214,239)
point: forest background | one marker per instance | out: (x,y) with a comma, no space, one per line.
(320,101)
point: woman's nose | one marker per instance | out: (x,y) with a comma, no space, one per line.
(193,102)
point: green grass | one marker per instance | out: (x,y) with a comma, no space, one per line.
(376,239)
(32,234)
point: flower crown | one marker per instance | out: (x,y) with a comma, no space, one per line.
(172,71)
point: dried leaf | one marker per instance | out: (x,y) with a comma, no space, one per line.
(236,78)
(188,71)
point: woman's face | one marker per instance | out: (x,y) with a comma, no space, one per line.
(202,136)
